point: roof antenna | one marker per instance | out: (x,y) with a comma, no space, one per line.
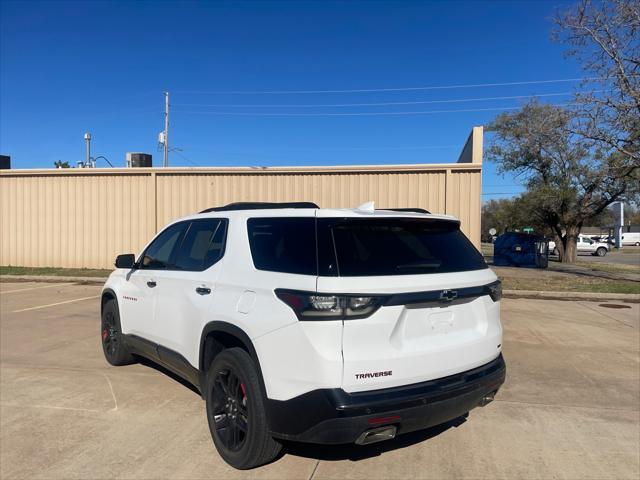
(368,207)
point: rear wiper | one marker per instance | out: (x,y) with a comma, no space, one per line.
(419,265)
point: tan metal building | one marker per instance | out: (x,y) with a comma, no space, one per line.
(82,218)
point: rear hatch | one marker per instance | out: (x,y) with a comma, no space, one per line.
(433,304)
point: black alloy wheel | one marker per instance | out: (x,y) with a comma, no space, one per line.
(114,348)
(236,411)
(230,410)
(110,337)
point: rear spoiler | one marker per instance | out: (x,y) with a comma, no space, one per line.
(411,210)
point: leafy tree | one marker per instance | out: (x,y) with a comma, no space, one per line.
(61,164)
(497,214)
(514,214)
(569,179)
(510,214)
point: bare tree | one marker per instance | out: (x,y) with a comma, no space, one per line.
(604,37)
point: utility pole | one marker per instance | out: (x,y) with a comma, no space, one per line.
(166,129)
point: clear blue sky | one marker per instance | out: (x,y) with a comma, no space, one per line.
(71,67)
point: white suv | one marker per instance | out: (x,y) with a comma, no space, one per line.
(312,325)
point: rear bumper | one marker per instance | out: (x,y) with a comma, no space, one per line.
(333,416)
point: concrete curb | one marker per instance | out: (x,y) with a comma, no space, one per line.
(52,278)
(571,296)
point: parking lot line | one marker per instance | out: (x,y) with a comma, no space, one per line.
(54,304)
(36,288)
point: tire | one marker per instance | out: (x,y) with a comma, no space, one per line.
(236,413)
(601,251)
(637,244)
(113,346)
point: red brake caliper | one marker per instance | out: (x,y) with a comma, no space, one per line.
(105,334)
(244,393)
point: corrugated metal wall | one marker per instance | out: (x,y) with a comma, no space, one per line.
(84,218)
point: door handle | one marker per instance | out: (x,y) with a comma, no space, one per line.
(151,283)
(203,290)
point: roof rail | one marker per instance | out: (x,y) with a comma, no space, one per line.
(259,206)
(412,209)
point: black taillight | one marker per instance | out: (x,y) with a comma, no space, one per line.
(312,306)
(495,290)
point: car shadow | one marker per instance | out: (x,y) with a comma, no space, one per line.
(159,368)
(355,452)
(330,453)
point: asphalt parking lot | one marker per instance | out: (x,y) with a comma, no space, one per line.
(620,258)
(630,256)
(570,407)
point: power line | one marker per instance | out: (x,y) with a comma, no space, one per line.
(503,185)
(179,153)
(351,114)
(253,149)
(501,193)
(403,147)
(133,96)
(370,90)
(375,104)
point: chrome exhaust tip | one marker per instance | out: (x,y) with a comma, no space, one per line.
(377,435)
(487,399)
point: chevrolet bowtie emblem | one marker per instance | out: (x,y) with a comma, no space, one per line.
(448,295)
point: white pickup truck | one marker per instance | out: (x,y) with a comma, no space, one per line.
(585,245)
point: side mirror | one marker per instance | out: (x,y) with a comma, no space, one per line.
(127,260)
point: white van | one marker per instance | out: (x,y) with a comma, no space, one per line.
(631,238)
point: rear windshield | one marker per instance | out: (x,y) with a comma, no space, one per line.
(396,246)
(352,247)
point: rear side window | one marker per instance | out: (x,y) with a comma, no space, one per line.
(202,245)
(285,245)
(372,247)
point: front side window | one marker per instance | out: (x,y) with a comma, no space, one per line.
(202,246)
(159,254)
(285,245)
